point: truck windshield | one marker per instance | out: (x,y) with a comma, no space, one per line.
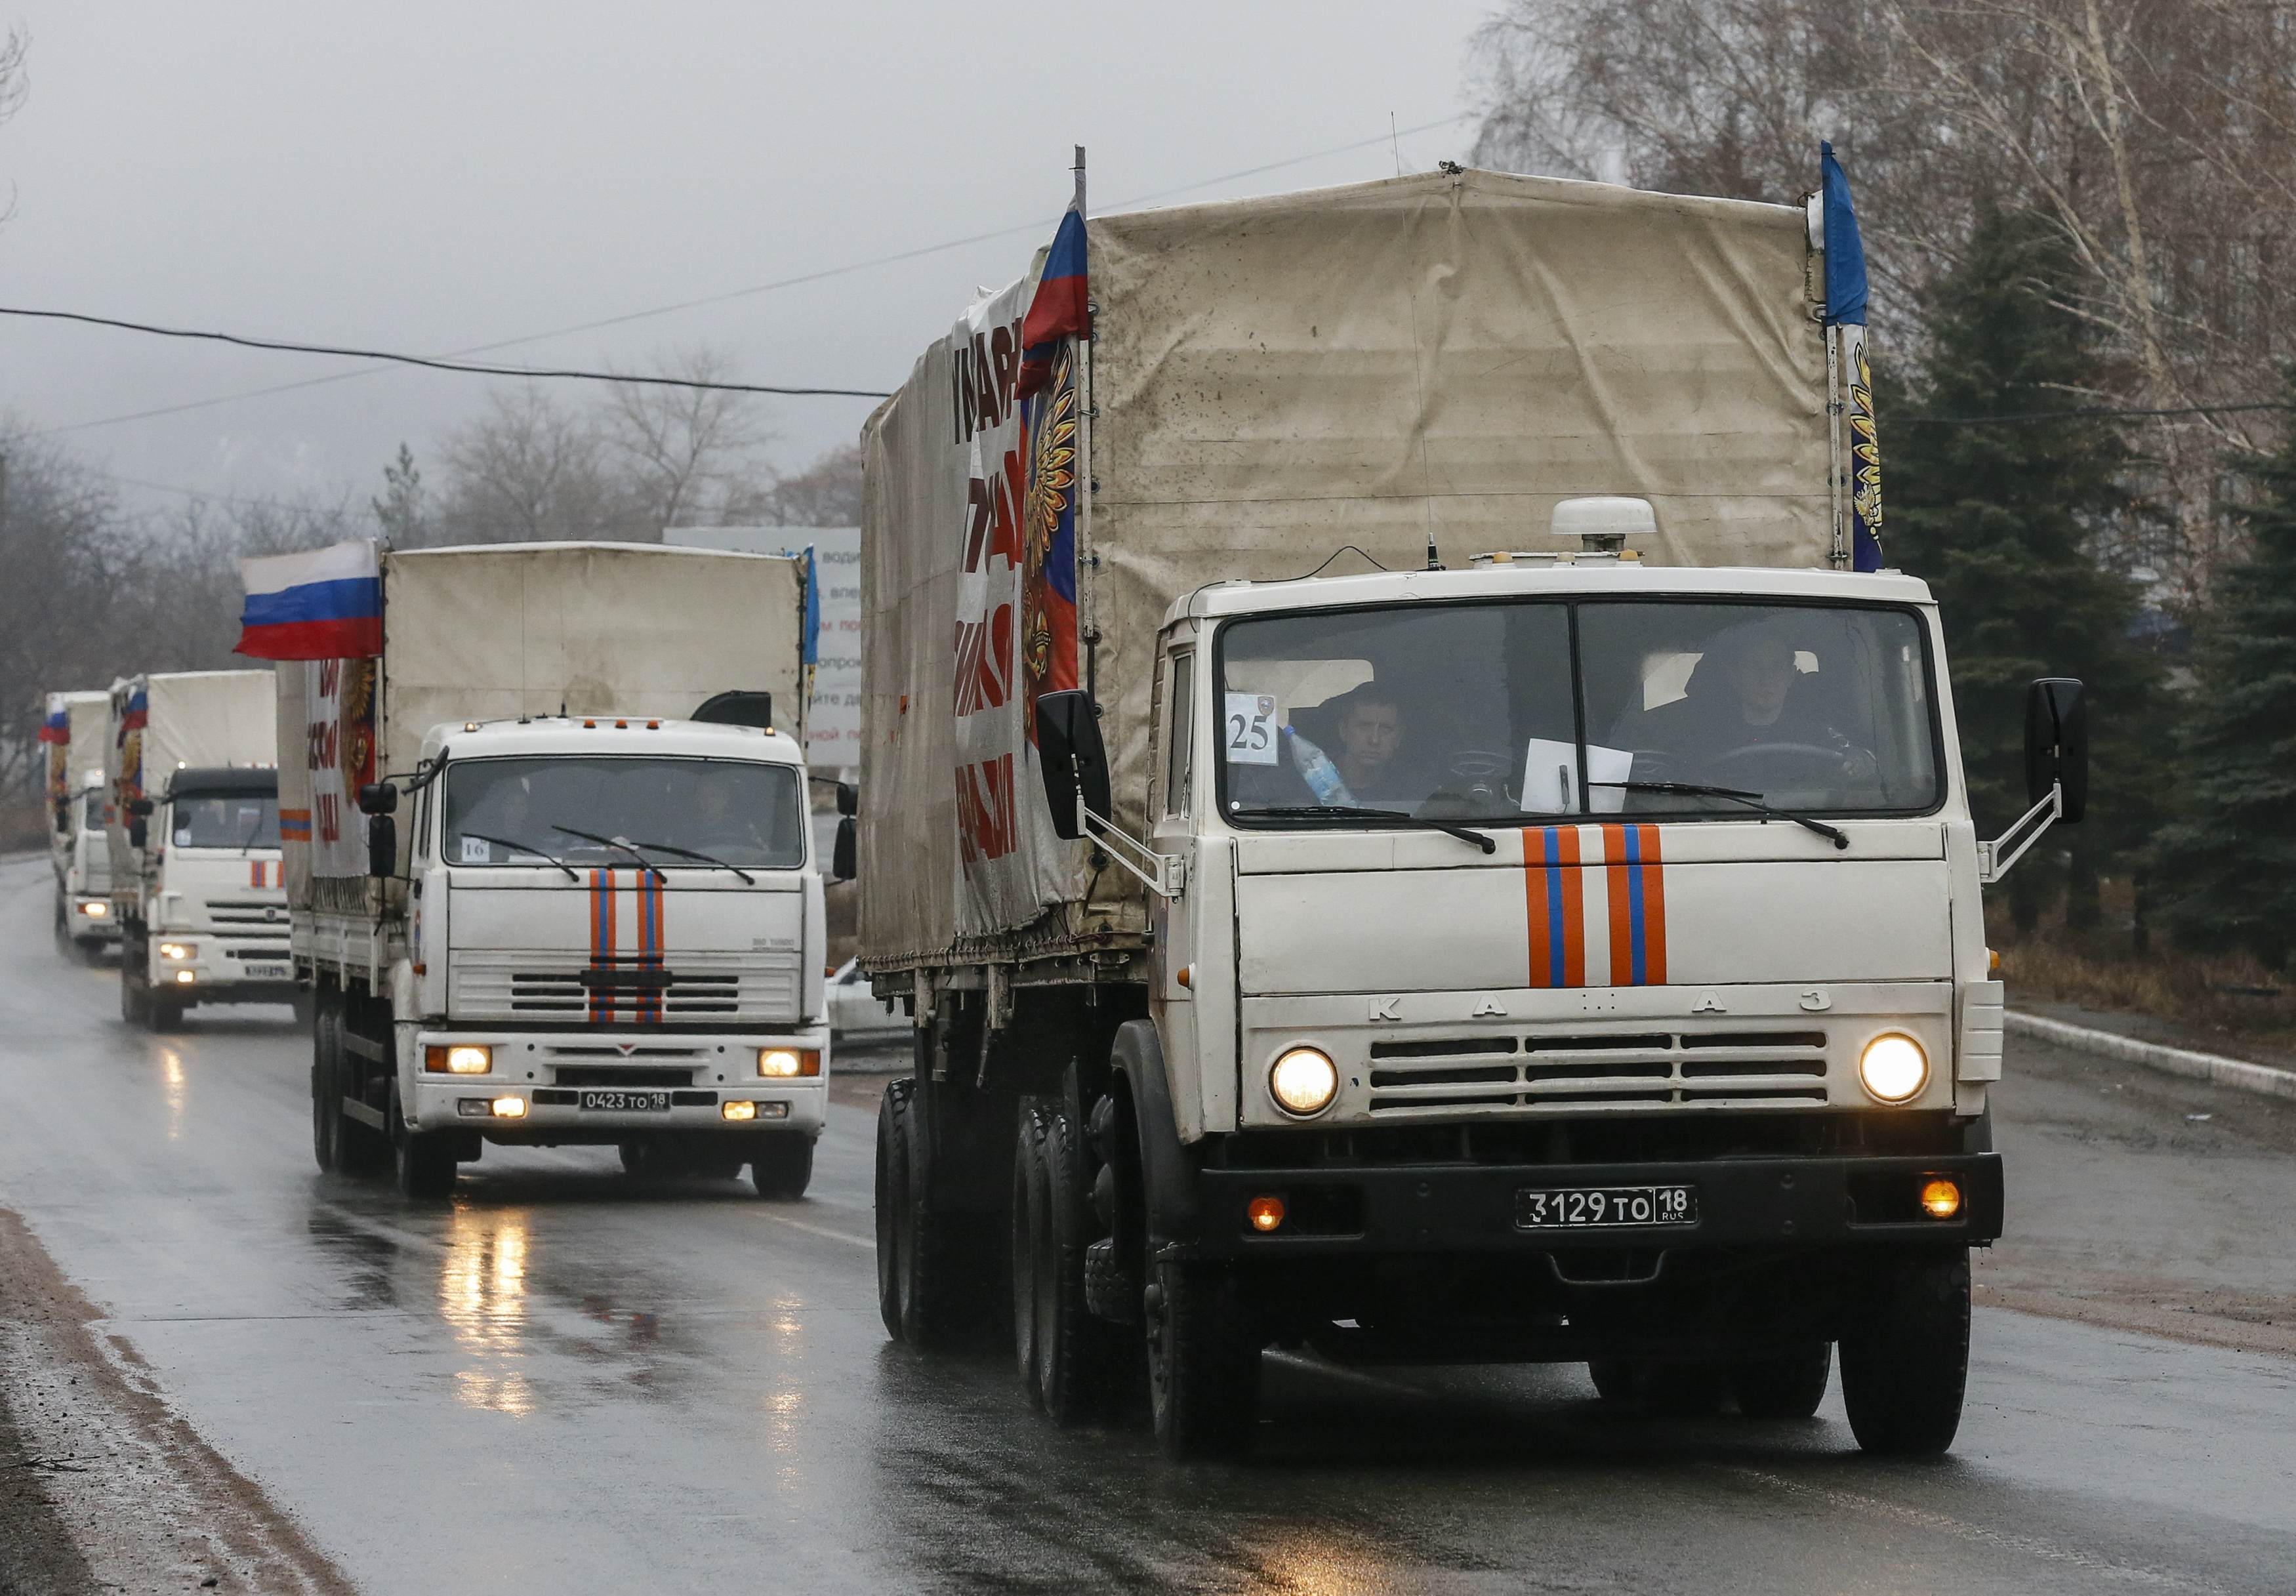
(1470,711)
(226,820)
(509,812)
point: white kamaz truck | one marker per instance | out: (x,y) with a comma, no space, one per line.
(74,731)
(551,868)
(194,835)
(1423,850)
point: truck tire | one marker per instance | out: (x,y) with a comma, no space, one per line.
(426,1159)
(135,985)
(165,1015)
(1204,1360)
(892,1201)
(1681,1390)
(1904,1368)
(1790,1385)
(948,1296)
(326,1093)
(782,1167)
(1614,1379)
(1031,1219)
(1081,1360)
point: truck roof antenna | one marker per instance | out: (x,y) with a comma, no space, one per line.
(1434,560)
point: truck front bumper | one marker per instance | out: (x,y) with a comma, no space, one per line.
(535,1091)
(220,971)
(1768,1204)
(92,919)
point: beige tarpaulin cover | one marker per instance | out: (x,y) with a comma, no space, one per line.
(500,630)
(1442,355)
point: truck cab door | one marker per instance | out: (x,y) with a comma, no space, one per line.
(1193,968)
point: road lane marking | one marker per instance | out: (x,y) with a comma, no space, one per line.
(816,1230)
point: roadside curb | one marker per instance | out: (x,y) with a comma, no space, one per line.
(2236,1073)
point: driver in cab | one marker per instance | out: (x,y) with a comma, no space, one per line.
(1749,719)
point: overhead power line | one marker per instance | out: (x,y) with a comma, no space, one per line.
(433,364)
(2087,413)
(453,359)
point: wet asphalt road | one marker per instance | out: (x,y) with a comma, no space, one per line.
(564,1383)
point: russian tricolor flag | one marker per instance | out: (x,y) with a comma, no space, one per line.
(57,726)
(325,604)
(1062,308)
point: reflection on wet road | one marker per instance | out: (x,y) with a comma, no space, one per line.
(569,1381)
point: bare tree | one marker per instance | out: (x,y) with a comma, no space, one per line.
(2160,137)
(684,449)
(531,468)
(825,494)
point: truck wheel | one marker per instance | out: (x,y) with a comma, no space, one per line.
(892,1201)
(65,944)
(1681,1390)
(326,1093)
(164,1014)
(1031,1218)
(1906,1368)
(1204,1360)
(1081,1361)
(1614,1379)
(135,990)
(782,1167)
(635,1156)
(1787,1387)
(426,1160)
(943,1304)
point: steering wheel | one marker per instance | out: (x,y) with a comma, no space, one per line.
(1473,765)
(1836,761)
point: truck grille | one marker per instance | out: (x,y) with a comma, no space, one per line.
(1753,1069)
(240,912)
(686,987)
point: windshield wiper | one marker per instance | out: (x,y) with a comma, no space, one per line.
(1752,800)
(615,842)
(687,853)
(1311,811)
(524,848)
(257,826)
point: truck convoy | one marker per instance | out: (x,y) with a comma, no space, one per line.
(552,877)
(74,729)
(1399,831)
(194,836)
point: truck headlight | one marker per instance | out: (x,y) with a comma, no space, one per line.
(462,1059)
(781,1063)
(1304,1081)
(175,950)
(96,909)
(1894,1069)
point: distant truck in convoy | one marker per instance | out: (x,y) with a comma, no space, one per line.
(551,874)
(73,732)
(194,837)
(1422,848)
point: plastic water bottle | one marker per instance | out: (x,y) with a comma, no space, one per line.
(1315,768)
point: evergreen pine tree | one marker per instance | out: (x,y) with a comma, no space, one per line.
(1999,519)
(2227,864)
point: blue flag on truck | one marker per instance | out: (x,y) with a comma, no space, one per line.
(1845,322)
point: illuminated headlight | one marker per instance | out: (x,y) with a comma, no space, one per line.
(95,911)
(782,1063)
(184,978)
(1894,1069)
(464,1058)
(510,1108)
(175,950)
(738,1110)
(1304,1082)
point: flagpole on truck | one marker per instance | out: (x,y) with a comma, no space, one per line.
(1089,628)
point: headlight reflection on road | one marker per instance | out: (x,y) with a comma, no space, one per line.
(171,1070)
(482,1298)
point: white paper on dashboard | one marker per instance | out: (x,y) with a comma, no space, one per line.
(1550,777)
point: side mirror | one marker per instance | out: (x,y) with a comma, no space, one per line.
(63,818)
(381,846)
(138,832)
(378,798)
(140,808)
(848,799)
(844,863)
(1074,760)
(2056,743)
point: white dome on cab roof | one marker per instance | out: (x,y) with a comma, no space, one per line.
(1604,517)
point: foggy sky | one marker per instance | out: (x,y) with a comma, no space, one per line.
(428,176)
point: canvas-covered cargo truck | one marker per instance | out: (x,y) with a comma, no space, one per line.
(74,729)
(1401,829)
(193,832)
(551,874)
